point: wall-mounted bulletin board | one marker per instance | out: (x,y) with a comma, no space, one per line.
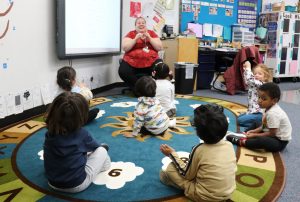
(219,12)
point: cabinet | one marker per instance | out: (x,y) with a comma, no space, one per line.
(283,44)
(206,68)
(212,61)
(180,50)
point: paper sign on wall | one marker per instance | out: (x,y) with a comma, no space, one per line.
(46,96)
(217,30)
(207,29)
(135,9)
(10,104)
(27,99)
(18,103)
(2,107)
(37,97)
(170,4)
(196,28)
(294,67)
(189,71)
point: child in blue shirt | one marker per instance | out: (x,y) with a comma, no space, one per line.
(72,158)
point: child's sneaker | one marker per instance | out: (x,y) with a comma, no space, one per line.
(234,139)
(105,146)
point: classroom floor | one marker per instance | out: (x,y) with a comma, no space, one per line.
(288,92)
(291,96)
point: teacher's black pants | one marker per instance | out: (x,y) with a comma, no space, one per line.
(131,74)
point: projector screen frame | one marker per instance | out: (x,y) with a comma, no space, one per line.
(61,35)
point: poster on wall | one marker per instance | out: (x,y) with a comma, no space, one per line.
(247,10)
(213,11)
(170,4)
(186,6)
(196,6)
(196,9)
(135,9)
(228,12)
(160,7)
(154,13)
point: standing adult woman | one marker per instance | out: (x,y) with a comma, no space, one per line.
(141,48)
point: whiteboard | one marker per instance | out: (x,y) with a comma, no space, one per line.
(86,28)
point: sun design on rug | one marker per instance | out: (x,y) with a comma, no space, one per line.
(125,123)
(98,101)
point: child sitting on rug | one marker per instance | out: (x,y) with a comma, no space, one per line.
(276,129)
(66,80)
(150,118)
(72,158)
(165,91)
(209,175)
(253,79)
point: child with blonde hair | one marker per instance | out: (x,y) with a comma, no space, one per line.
(253,79)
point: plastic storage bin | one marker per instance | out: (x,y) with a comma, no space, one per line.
(239,28)
(185,74)
(245,37)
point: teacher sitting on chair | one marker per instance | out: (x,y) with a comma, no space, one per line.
(141,48)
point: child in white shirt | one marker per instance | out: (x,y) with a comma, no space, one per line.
(150,118)
(253,79)
(276,129)
(165,91)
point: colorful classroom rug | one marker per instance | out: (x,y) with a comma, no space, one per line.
(136,162)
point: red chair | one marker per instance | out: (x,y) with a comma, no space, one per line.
(233,76)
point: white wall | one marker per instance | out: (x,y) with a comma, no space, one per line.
(29,49)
